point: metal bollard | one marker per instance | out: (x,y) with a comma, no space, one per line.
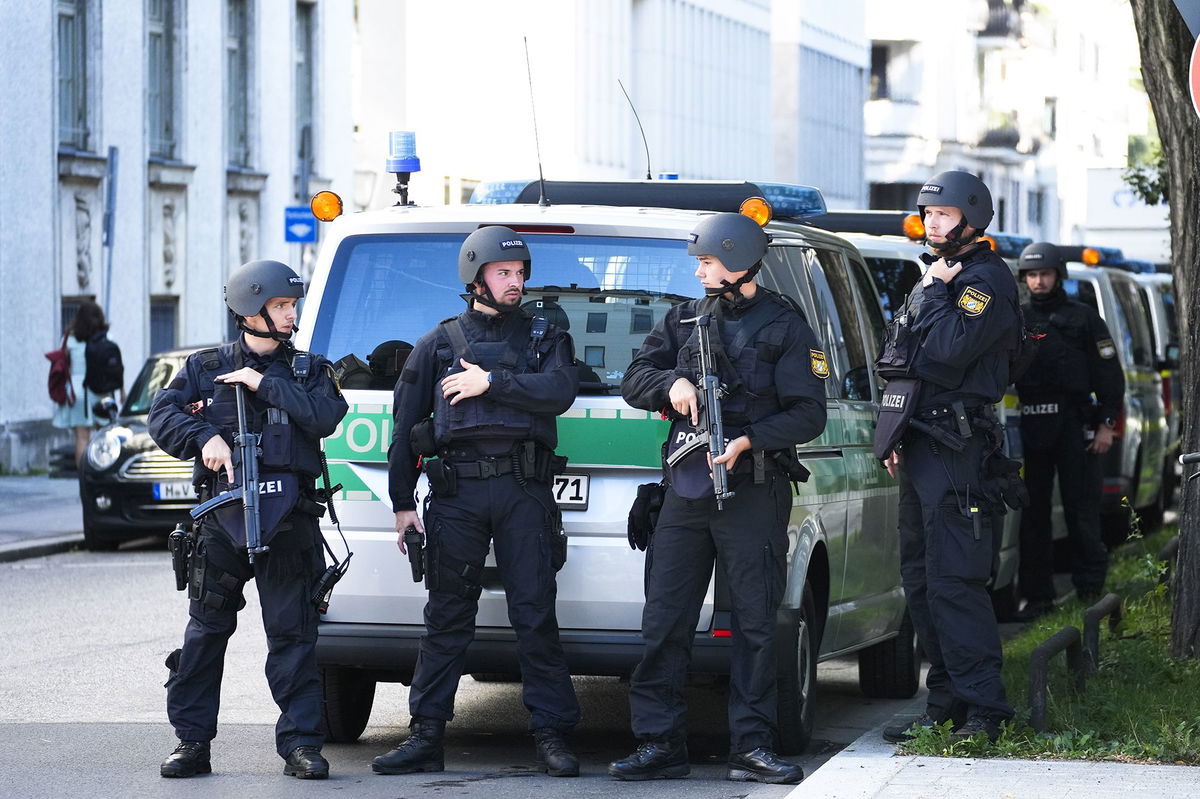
(1039,672)
(1109,606)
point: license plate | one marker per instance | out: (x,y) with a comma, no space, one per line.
(174,491)
(571,491)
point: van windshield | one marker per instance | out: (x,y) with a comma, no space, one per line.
(385,292)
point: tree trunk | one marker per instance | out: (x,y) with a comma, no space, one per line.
(1166,49)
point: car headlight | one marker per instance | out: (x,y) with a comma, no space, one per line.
(105,447)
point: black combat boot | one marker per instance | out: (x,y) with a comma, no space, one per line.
(307,763)
(763,765)
(902,733)
(975,725)
(421,751)
(555,757)
(189,759)
(653,760)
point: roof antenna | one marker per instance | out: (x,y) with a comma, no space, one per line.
(542,201)
(639,124)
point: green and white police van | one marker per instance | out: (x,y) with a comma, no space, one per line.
(609,259)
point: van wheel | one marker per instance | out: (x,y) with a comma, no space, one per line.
(93,541)
(349,695)
(797,640)
(891,669)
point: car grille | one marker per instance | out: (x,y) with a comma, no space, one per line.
(156,465)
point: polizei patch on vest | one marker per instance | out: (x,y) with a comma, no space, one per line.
(973,301)
(893,401)
(820,366)
(1106,348)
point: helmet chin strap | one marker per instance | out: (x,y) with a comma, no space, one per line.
(273,332)
(735,286)
(953,238)
(488,299)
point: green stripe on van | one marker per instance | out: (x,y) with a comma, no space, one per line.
(599,436)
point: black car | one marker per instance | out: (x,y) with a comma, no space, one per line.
(128,486)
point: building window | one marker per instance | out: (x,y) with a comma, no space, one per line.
(1050,117)
(164,315)
(305,68)
(73,128)
(162,16)
(641,320)
(879,68)
(597,323)
(237,82)
(594,357)
(1036,198)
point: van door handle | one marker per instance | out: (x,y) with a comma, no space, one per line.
(811,454)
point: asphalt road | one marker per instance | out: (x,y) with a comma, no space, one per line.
(82,706)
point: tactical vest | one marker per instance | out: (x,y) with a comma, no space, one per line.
(481,417)
(746,349)
(1061,366)
(285,447)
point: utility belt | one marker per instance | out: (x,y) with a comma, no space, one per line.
(527,461)
(951,425)
(760,463)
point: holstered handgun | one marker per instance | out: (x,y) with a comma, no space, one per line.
(180,543)
(414,542)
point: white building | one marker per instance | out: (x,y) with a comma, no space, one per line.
(205,105)
(725,89)
(1028,96)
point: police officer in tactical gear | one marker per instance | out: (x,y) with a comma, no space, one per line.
(494,379)
(1075,359)
(774,374)
(946,360)
(292,399)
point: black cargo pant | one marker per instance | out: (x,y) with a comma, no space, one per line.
(748,538)
(285,577)
(945,562)
(1056,442)
(517,519)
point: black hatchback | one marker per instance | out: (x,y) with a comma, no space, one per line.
(128,486)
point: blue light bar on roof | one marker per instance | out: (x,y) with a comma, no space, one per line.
(497,192)
(792,201)
(1008,245)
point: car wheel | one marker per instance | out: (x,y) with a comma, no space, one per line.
(797,640)
(93,540)
(349,695)
(891,669)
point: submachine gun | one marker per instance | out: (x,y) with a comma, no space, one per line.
(712,429)
(249,449)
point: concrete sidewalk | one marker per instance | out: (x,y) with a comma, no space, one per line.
(39,515)
(870,768)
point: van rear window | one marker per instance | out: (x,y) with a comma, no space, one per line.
(608,292)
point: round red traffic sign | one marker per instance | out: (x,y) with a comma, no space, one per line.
(1194,76)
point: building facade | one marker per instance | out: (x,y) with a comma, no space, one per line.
(155,145)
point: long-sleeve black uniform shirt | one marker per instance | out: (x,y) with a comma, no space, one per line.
(968,330)
(787,341)
(546,392)
(180,420)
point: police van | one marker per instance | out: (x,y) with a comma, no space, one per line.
(1133,467)
(609,260)
(1158,295)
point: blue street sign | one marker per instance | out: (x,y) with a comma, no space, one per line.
(299,225)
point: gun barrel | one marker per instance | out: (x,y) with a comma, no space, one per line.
(710,386)
(248,451)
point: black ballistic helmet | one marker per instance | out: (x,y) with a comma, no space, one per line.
(735,239)
(488,244)
(1042,255)
(252,284)
(960,190)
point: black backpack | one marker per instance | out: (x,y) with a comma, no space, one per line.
(105,372)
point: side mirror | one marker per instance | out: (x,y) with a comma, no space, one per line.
(1172,359)
(105,408)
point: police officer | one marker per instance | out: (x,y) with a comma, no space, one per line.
(293,400)
(947,361)
(494,380)
(1075,359)
(774,373)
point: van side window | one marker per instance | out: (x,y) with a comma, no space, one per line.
(895,278)
(834,292)
(785,271)
(1137,332)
